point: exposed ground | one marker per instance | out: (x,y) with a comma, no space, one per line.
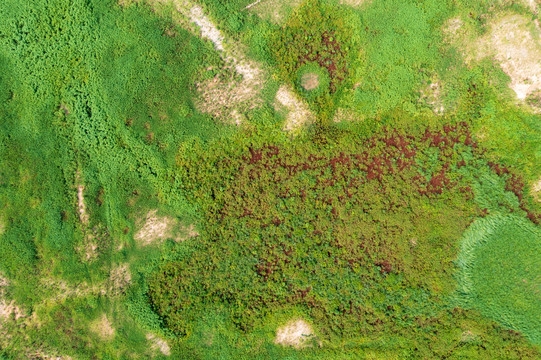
(536,190)
(431,96)
(298,112)
(158,344)
(296,333)
(103,327)
(119,279)
(511,39)
(222,98)
(154,229)
(310,81)
(275,11)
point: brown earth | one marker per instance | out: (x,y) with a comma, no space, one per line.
(310,81)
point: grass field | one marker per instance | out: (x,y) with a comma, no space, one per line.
(169,188)
(500,272)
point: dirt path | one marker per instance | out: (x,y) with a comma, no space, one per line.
(226,99)
(219,97)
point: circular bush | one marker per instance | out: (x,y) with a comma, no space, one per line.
(312,80)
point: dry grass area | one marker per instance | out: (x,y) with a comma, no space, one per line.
(154,229)
(296,333)
(119,279)
(536,190)
(275,11)
(298,112)
(103,328)
(512,40)
(219,97)
(431,96)
(158,344)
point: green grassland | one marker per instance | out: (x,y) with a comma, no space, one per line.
(400,233)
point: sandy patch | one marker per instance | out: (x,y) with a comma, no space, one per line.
(343,114)
(532,4)
(227,99)
(430,95)
(9,309)
(221,97)
(62,290)
(155,229)
(158,344)
(296,333)
(40,354)
(103,328)
(355,3)
(310,81)
(511,39)
(536,190)
(298,112)
(119,279)
(275,11)
(518,52)
(83,216)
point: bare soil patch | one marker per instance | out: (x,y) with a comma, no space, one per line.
(103,328)
(536,190)
(431,97)
(158,344)
(119,279)
(154,229)
(310,81)
(83,216)
(220,97)
(298,114)
(275,11)
(296,333)
(9,309)
(512,40)
(355,3)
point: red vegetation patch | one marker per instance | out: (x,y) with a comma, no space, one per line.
(516,185)
(328,55)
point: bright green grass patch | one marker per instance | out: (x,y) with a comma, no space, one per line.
(500,272)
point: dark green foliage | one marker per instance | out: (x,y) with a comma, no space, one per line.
(89,95)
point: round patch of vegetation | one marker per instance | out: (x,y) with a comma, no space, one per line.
(312,80)
(503,287)
(322,34)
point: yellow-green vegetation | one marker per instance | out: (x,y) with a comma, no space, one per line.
(499,262)
(137,221)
